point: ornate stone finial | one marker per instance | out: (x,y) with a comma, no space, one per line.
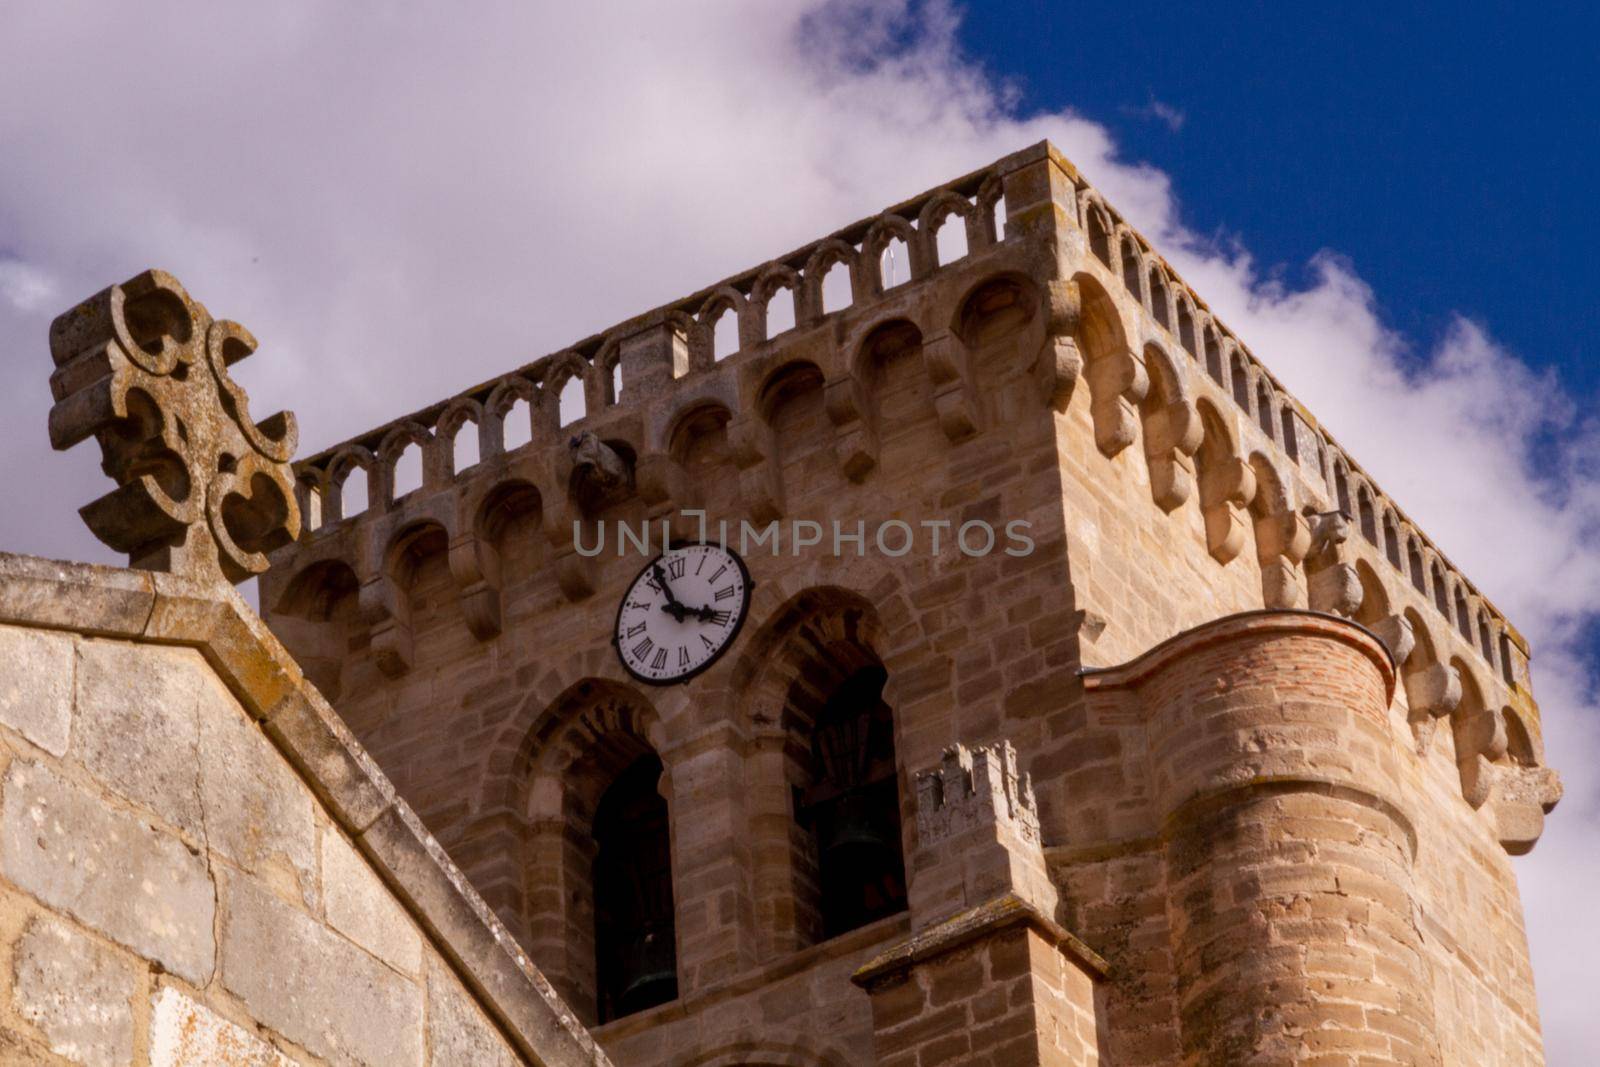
(202,489)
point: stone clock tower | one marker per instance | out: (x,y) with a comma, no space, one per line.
(1077,698)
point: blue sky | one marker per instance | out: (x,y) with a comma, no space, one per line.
(1447,150)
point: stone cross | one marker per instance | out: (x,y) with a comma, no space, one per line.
(202,489)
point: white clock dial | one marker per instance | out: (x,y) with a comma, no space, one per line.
(681,612)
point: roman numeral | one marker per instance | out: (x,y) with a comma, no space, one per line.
(675,567)
(722,618)
(720,571)
(701,567)
(642,649)
(650,583)
(660,660)
(708,643)
(683,655)
(635,630)
(726,592)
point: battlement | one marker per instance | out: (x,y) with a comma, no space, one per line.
(1103,308)
(972,788)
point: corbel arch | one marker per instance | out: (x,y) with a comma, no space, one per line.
(1131,256)
(1283,536)
(562,368)
(1097,223)
(774,279)
(724,300)
(401,437)
(1227,485)
(1172,430)
(1478,731)
(883,230)
(498,405)
(1117,378)
(451,422)
(983,233)
(349,459)
(934,215)
(824,255)
(1433,687)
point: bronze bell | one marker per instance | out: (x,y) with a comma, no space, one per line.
(649,971)
(854,840)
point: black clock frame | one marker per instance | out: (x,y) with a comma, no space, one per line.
(685,679)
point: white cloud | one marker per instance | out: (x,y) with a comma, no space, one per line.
(25,287)
(1171,117)
(402,201)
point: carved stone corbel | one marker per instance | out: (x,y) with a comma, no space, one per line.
(1171,437)
(1060,363)
(760,481)
(1282,541)
(1226,490)
(1523,796)
(855,440)
(954,398)
(386,612)
(1395,632)
(1480,741)
(475,567)
(574,572)
(1117,382)
(1432,692)
(1332,582)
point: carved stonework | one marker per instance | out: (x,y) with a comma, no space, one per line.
(202,489)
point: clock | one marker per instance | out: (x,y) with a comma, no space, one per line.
(681,612)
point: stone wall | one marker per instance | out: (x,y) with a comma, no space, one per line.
(188,877)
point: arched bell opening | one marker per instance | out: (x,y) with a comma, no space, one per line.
(851,806)
(636,963)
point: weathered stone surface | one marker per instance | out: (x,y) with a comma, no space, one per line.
(257,812)
(339,770)
(78,993)
(137,885)
(136,728)
(36,686)
(186,1033)
(361,907)
(317,989)
(459,1035)
(83,597)
(202,488)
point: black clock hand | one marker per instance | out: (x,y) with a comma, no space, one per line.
(671,607)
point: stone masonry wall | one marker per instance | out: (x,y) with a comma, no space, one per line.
(171,893)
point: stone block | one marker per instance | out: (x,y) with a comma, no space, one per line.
(74,596)
(303,980)
(36,686)
(345,778)
(78,993)
(186,1033)
(136,728)
(459,1034)
(257,811)
(139,886)
(361,907)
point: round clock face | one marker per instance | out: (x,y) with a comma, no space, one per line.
(681,612)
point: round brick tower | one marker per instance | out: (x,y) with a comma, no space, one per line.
(1289,851)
